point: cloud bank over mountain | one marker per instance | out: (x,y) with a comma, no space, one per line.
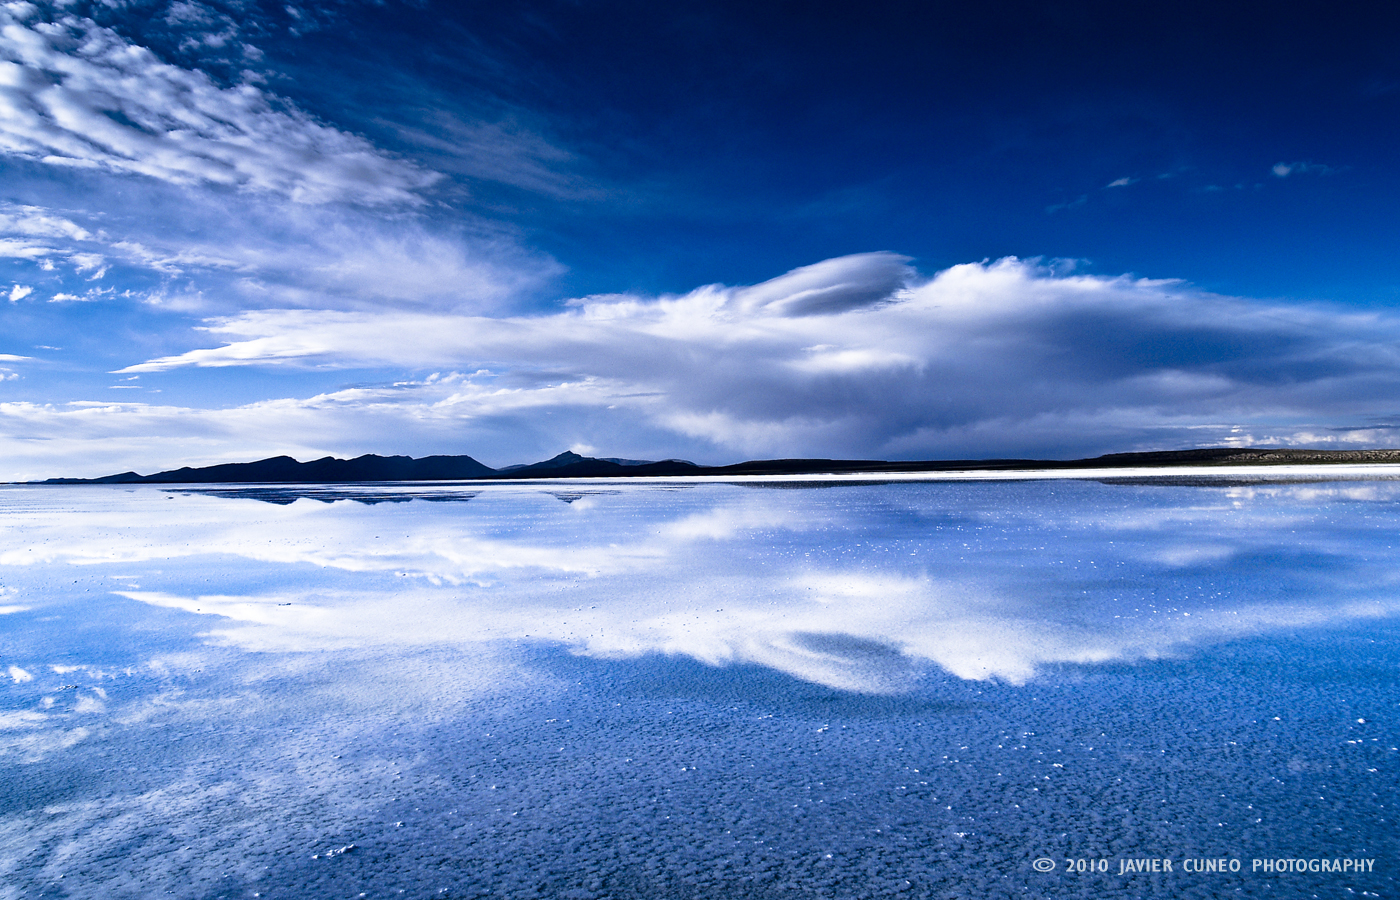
(857,356)
(231,231)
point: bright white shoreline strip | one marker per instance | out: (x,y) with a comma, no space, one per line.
(1269,472)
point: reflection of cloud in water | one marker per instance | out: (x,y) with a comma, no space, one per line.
(214,761)
(856,588)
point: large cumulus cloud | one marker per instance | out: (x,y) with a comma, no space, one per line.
(861,355)
(858,356)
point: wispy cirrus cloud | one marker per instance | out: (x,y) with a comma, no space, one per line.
(74,93)
(34,221)
(272,256)
(251,252)
(46,238)
(1287,169)
(275,208)
(505,151)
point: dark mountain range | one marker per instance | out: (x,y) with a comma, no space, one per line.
(368,468)
(285,470)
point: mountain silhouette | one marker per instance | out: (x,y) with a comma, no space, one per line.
(370,468)
(285,470)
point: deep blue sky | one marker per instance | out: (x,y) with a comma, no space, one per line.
(235,229)
(730,140)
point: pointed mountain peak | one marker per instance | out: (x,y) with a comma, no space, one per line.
(567,458)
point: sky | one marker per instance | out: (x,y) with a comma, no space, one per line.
(712,231)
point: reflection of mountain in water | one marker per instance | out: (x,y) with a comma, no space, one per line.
(868,589)
(289,495)
(372,468)
(285,496)
(571,496)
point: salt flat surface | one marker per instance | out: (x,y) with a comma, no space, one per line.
(1269,473)
(758,689)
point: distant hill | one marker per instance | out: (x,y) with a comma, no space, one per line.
(369,468)
(285,470)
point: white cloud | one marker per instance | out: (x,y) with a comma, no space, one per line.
(855,356)
(257,251)
(504,151)
(35,221)
(1076,203)
(86,262)
(642,576)
(12,249)
(42,236)
(75,93)
(828,287)
(39,440)
(1285,169)
(315,259)
(19,292)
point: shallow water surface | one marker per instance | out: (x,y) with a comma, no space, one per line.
(701,690)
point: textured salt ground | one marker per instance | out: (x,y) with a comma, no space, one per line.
(663,777)
(228,771)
